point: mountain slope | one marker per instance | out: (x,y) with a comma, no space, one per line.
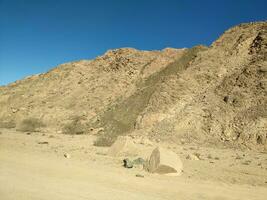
(207,95)
(80,88)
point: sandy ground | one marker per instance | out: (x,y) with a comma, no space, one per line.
(33,166)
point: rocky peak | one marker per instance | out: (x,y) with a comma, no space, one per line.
(239,36)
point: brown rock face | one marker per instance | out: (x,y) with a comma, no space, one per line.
(207,95)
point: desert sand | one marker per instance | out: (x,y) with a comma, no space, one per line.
(33,166)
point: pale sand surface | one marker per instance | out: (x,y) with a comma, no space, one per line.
(32,171)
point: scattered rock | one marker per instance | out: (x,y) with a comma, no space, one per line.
(127,163)
(28,133)
(43,142)
(140,175)
(96,131)
(194,156)
(66,155)
(209,156)
(216,158)
(99,131)
(101,153)
(226,99)
(263,68)
(198,155)
(146,141)
(14,110)
(238,157)
(163,161)
(192,148)
(247,162)
(182,141)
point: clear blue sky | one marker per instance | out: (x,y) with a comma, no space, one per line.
(37,35)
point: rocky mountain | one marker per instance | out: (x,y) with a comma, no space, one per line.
(208,95)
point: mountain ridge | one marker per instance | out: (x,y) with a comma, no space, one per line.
(207,95)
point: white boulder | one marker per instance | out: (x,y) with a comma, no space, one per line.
(123,146)
(163,161)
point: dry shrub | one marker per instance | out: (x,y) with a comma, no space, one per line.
(75,127)
(31,124)
(7,124)
(105,140)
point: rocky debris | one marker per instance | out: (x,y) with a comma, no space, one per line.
(45,142)
(101,153)
(182,141)
(97,131)
(247,162)
(158,140)
(127,163)
(194,156)
(124,145)
(14,110)
(209,156)
(145,141)
(66,155)
(263,67)
(238,157)
(163,161)
(141,139)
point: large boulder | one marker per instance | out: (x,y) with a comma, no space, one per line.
(123,146)
(163,161)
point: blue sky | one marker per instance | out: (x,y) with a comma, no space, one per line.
(37,35)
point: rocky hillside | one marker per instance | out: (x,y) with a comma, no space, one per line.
(208,95)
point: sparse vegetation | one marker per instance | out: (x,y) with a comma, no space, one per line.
(8,124)
(117,120)
(75,127)
(31,124)
(106,139)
